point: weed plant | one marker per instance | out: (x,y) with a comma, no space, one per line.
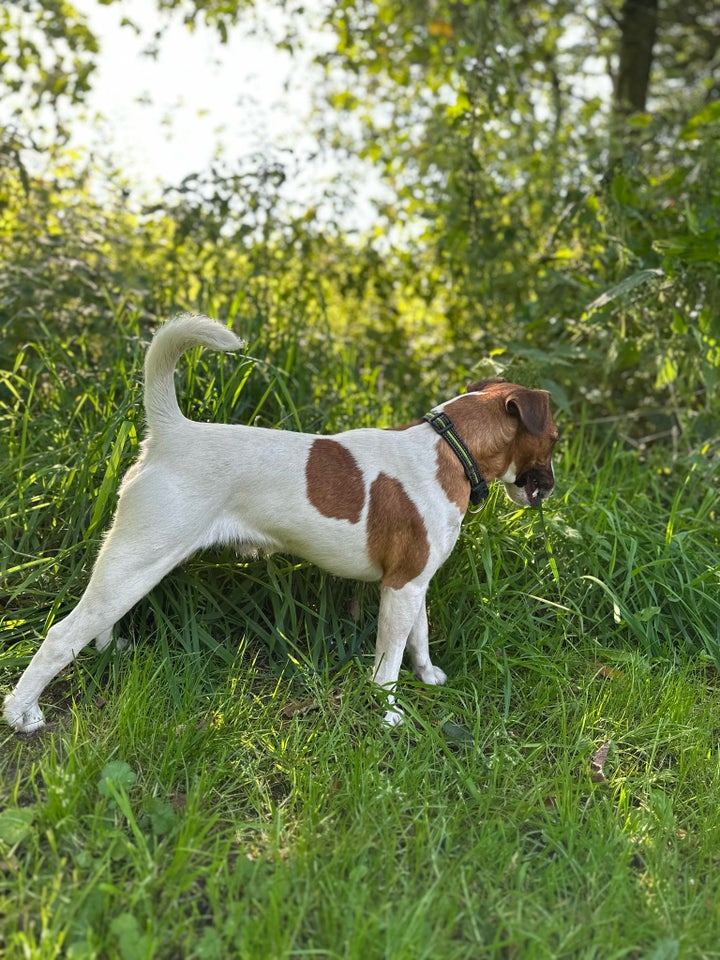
(224,787)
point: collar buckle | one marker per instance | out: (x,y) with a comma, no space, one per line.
(440,422)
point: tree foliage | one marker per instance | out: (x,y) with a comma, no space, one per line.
(552,170)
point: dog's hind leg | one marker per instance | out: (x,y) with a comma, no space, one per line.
(104,639)
(137,554)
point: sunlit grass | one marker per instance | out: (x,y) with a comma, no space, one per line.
(224,787)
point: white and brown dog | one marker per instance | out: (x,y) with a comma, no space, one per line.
(370,504)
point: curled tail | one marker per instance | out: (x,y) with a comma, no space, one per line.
(168,345)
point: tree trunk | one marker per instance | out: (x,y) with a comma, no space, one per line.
(638,31)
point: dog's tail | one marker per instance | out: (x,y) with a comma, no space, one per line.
(168,345)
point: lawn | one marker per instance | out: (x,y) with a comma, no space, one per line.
(224,787)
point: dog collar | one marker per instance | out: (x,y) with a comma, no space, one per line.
(443,425)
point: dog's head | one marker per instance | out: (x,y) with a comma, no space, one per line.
(528,474)
(511,433)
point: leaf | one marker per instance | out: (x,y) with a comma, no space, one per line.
(703,248)
(607,673)
(597,763)
(665,949)
(625,286)
(667,373)
(457,733)
(117,772)
(16,824)
(640,121)
(161,815)
(709,114)
(623,192)
(354,609)
(131,942)
(110,480)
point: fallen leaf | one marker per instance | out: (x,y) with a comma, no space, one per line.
(603,672)
(298,707)
(597,763)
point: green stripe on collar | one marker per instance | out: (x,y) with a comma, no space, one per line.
(443,425)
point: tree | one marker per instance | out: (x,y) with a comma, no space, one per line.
(638,30)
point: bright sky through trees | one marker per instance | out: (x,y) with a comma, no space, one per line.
(170,114)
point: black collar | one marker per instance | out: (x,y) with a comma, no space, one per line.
(443,425)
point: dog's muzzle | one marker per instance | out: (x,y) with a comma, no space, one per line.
(537,483)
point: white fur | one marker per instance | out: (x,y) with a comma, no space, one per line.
(196,485)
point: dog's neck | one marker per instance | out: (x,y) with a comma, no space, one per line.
(443,425)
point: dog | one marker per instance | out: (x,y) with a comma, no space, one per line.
(369,504)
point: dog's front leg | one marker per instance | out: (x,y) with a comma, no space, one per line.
(399,611)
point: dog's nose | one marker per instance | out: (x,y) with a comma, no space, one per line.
(538,483)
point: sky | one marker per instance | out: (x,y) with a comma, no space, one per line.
(169,116)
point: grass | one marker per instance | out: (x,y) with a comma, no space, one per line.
(225,788)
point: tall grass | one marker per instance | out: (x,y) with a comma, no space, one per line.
(224,786)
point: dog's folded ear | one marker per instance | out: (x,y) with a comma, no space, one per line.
(531,407)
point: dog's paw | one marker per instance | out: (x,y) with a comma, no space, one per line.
(431,675)
(393,718)
(23,720)
(103,640)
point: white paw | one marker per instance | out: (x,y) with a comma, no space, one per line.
(23,720)
(393,718)
(103,640)
(431,674)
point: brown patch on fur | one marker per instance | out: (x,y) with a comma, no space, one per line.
(335,485)
(451,476)
(397,539)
